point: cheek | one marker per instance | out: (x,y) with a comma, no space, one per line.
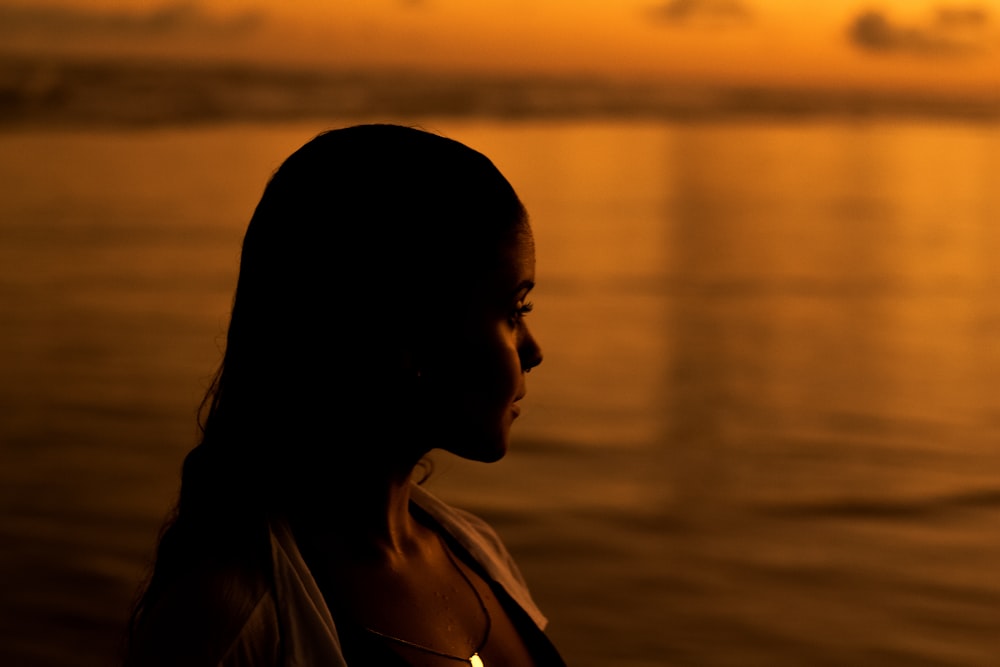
(490,368)
(506,363)
(474,393)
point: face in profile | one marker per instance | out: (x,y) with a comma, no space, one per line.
(476,375)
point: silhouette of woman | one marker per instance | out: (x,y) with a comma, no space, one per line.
(379,314)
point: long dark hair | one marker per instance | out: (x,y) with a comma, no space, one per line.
(357,238)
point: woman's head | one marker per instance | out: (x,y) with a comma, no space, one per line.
(365,274)
(378,313)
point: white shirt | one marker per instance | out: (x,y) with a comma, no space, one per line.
(292,625)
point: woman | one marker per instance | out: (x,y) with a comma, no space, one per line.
(379,314)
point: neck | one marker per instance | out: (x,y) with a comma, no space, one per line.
(361,512)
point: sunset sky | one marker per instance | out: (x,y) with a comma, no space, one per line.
(911,44)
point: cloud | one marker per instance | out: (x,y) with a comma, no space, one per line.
(952,32)
(962,17)
(182,18)
(703,12)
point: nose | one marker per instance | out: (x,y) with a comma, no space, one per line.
(529,351)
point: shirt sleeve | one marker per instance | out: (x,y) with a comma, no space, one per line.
(208,619)
(258,643)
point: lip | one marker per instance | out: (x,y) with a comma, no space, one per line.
(514,407)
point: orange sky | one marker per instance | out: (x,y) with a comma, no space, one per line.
(897,43)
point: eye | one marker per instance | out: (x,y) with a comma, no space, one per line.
(520,310)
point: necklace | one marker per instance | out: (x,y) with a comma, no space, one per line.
(474,660)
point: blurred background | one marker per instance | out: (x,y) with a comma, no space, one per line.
(766,430)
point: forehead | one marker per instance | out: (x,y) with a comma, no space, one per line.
(517,258)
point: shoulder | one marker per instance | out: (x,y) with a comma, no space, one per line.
(484,545)
(466,527)
(214,615)
(480,530)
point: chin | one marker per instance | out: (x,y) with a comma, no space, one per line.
(493,456)
(482,450)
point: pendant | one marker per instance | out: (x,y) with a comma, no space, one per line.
(475,660)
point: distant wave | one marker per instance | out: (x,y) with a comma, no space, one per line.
(49,91)
(918,508)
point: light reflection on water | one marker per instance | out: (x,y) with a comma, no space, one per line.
(765,430)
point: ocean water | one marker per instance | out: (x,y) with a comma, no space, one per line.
(766,432)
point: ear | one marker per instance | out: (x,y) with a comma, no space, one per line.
(408,366)
(406,359)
